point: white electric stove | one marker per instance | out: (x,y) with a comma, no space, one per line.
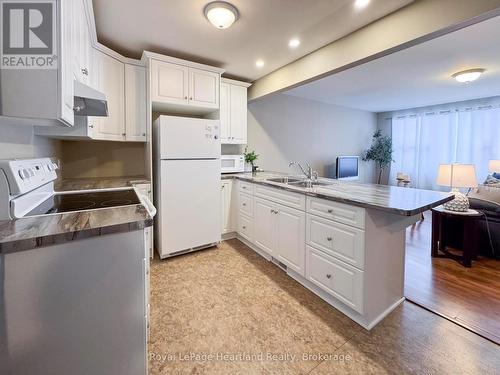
(27,189)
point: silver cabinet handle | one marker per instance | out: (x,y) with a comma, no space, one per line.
(91,126)
(244,227)
(329,238)
(143,134)
(185,98)
(190,98)
(330,211)
(123,134)
(272,211)
(328,276)
(244,204)
(244,187)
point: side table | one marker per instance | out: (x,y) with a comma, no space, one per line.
(469,230)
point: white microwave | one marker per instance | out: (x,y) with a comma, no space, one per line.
(232,163)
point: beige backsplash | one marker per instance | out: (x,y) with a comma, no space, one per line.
(102,159)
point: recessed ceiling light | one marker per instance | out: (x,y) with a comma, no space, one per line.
(361,3)
(259,63)
(221,14)
(294,43)
(469,75)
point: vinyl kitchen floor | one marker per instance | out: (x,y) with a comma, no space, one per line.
(230,301)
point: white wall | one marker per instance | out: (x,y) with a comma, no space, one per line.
(18,141)
(283,128)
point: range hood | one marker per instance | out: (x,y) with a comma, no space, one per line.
(89,102)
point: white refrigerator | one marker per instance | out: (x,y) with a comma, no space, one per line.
(187,184)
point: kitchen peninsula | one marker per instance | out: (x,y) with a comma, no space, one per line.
(345,241)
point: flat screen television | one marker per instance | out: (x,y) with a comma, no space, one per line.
(348,168)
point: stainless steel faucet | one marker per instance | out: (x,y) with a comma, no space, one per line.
(310,174)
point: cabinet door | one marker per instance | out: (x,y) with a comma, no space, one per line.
(226,224)
(135,103)
(290,238)
(111,83)
(203,88)
(224,113)
(238,115)
(264,225)
(169,83)
(66,85)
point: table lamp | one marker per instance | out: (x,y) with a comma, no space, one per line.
(494,166)
(457,176)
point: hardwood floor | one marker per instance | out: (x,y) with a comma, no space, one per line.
(468,296)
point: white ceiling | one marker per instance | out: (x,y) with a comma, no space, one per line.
(178,28)
(418,76)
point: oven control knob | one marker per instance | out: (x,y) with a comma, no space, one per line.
(50,167)
(31,172)
(21,174)
(24,174)
(55,166)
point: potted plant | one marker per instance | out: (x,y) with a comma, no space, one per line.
(380,152)
(250,158)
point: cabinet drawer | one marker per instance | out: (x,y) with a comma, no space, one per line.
(246,187)
(245,227)
(342,213)
(339,240)
(280,196)
(337,278)
(246,204)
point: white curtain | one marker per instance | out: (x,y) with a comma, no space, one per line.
(422,141)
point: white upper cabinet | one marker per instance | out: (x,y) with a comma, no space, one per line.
(203,88)
(81,43)
(135,103)
(47,94)
(112,83)
(170,83)
(179,86)
(233,111)
(224,112)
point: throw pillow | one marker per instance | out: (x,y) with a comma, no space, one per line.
(496,175)
(491,180)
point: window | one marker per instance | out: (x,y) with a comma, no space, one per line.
(424,140)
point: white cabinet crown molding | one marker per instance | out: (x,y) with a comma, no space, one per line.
(235,82)
(174,60)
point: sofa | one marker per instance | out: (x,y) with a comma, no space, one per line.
(486,199)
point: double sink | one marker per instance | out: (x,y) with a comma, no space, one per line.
(299,182)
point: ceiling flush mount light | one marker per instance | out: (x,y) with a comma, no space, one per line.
(469,75)
(259,63)
(221,14)
(361,3)
(294,43)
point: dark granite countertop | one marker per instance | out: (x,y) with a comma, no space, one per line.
(38,231)
(393,199)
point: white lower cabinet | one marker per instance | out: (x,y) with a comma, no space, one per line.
(339,240)
(264,222)
(227,224)
(339,279)
(280,231)
(290,241)
(245,227)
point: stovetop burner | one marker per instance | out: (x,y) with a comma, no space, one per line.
(69,202)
